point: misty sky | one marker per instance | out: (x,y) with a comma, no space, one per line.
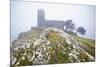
(24,15)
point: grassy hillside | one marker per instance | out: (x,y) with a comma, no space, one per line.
(87,44)
(50,46)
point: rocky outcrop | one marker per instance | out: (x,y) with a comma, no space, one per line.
(51,46)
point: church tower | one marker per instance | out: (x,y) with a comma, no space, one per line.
(41,17)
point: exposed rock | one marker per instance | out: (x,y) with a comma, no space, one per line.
(52,46)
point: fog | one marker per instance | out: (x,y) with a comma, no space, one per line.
(24,16)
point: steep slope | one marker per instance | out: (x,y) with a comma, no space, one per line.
(50,46)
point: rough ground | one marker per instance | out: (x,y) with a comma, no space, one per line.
(50,46)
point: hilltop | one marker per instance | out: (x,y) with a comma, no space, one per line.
(50,46)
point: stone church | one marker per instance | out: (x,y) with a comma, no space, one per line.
(42,22)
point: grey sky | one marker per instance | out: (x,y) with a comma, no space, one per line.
(24,15)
